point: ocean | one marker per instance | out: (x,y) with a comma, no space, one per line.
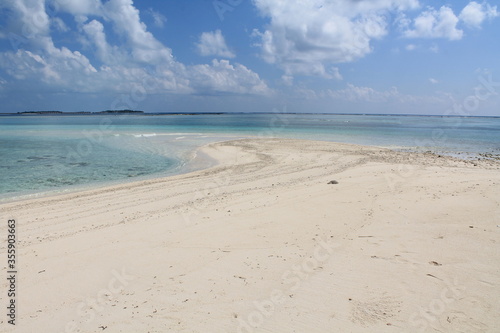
(44,154)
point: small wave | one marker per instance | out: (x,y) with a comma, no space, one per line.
(172,134)
(144,135)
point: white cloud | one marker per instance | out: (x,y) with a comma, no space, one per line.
(221,76)
(402,21)
(79,7)
(304,37)
(434,23)
(95,31)
(60,68)
(354,93)
(59,24)
(474,14)
(28,18)
(158,18)
(137,61)
(410,47)
(433,81)
(213,44)
(144,46)
(335,73)
(443,23)
(81,19)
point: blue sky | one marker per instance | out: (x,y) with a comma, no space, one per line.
(341,56)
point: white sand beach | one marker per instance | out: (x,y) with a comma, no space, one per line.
(402,242)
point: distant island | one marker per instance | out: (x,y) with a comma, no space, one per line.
(81,112)
(112,112)
(143,113)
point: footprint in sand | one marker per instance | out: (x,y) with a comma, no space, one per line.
(373,310)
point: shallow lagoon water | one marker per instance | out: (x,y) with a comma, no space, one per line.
(46,154)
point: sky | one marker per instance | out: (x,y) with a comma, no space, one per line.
(326,56)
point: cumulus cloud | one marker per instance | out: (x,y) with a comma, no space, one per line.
(213,44)
(474,14)
(78,7)
(433,81)
(139,61)
(95,32)
(221,76)
(60,68)
(27,19)
(144,46)
(307,37)
(442,23)
(434,23)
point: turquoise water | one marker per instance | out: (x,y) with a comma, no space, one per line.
(42,154)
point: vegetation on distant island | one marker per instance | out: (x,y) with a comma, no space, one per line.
(39,112)
(84,112)
(120,111)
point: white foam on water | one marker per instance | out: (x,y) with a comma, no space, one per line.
(144,135)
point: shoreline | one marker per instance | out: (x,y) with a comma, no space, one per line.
(197,161)
(142,113)
(262,242)
(201,161)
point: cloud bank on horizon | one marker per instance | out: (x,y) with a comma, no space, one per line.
(397,56)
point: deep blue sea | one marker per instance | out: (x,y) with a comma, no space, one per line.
(46,154)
